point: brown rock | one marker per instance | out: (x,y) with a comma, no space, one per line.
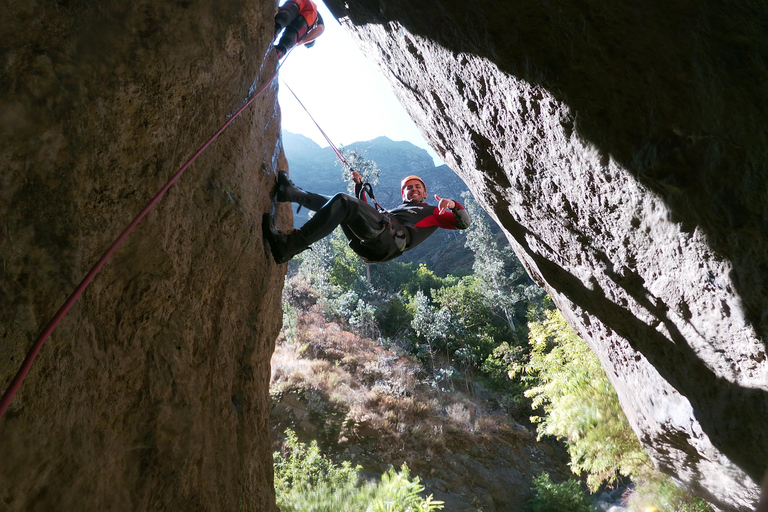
(622,147)
(152,394)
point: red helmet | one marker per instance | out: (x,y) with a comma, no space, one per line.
(409,178)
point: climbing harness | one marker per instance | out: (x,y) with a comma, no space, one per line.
(368,189)
(27,364)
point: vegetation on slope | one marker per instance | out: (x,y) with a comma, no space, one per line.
(307,480)
(412,381)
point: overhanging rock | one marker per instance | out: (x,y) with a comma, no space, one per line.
(622,147)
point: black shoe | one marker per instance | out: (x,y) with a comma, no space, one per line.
(287,192)
(283,246)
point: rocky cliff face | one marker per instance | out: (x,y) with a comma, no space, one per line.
(622,147)
(153,392)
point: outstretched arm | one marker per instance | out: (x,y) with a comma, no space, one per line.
(460,215)
(444,204)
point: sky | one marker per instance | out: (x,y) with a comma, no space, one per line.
(345,93)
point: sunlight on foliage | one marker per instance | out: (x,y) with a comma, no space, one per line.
(658,491)
(583,409)
(580,404)
(397,492)
(305,480)
(423,280)
(551,497)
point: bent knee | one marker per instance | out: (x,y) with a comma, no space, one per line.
(345,203)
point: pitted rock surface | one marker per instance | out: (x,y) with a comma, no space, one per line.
(152,394)
(622,148)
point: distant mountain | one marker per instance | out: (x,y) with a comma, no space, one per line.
(309,163)
(318,170)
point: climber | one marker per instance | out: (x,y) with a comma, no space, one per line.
(302,23)
(376,236)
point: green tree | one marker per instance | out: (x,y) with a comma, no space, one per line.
(430,325)
(306,480)
(474,330)
(580,404)
(391,277)
(501,278)
(336,273)
(345,268)
(551,497)
(367,169)
(394,318)
(425,281)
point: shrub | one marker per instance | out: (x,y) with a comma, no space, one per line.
(305,480)
(551,497)
(398,493)
(581,405)
(658,491)
(424,280)
(394,318)
(391,276)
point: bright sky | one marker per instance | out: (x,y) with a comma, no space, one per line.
(344,92)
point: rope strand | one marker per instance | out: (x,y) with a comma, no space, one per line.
(335,150)
(32,354)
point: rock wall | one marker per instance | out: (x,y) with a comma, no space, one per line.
(153,392)
(622,147)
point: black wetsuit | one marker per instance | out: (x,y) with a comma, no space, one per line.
(380,236)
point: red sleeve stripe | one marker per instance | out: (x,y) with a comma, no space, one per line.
(446,221)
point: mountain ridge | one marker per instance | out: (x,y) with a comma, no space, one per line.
(318,170)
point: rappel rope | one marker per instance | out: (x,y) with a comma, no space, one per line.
(27,364)
(333,146)
(367,188)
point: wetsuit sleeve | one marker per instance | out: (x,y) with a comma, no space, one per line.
(461,216)
(456,218)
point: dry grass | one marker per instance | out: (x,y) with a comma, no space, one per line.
(371,396)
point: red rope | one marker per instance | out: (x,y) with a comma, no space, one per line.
(27,364)
(338,153)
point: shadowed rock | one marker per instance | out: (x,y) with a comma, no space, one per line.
(622,147)
(153,392)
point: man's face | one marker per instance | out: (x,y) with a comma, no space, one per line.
(413,192)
